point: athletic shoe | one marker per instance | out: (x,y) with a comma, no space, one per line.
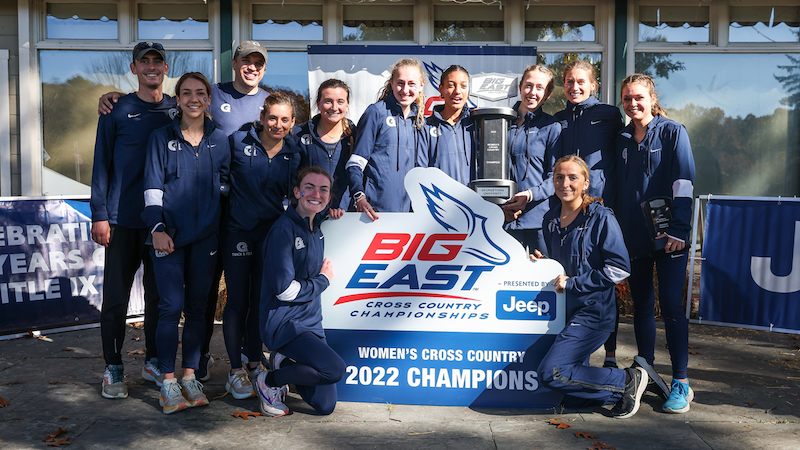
(629,403)
(255,373)
(203,372)
(275,360)
(193,391)
(271,397)
(244,358)
(114,382)
(611,364)
(239,385)
(656,383)
(150,372)
(171,398)
(680,397)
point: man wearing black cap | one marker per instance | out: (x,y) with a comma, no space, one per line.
(117,202)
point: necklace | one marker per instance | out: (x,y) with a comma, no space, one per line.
(193,139)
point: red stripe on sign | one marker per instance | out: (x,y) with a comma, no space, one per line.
(369,295)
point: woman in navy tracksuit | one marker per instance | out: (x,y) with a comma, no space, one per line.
(589,130)
(655,160)
(327,139)
(585,238)
(386,143)
(447,139)
(264,162)
(534,146)
(187,169)
(295,274)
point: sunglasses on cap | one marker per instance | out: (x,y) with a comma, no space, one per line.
(143,45)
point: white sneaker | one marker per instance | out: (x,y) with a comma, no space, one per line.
(150,372)
(254,373)
(275,360)
(271,398)
(239,385)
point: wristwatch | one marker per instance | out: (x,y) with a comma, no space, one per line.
(357,198)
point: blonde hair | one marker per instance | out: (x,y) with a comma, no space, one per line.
(387,88)
(543,69)
(583,65)
(650,85)
(587,199)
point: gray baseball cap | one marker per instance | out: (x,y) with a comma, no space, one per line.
(249,47)
(142,48)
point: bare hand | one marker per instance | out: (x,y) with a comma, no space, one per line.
(510,215)
(101,232)
(536,255)
(163,243)
(327,269)
(517,202)
(560,283)
(105,105)
(364,206)
(673,245)
(336,213)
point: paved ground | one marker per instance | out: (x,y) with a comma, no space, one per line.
(747,387)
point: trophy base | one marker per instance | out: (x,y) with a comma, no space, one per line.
(658,246)
(495,191)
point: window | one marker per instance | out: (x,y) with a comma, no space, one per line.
(378,23)
(284,22)
(465,23)
(556,23)
(81,21)
(163,21)
(673,23)
(764,23)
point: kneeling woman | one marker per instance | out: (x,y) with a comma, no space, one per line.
(586,239)
(187,169)
(295,274)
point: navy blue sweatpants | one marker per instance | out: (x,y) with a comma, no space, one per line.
(244,266)
(316,371)
(184,278)
(671,275)
(565,368)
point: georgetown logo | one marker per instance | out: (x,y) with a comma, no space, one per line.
(225,107)
(298,243)
(173,112)
(173,145)
(435,132)
(306,139)
(241,246)
(390,121)
(248,151)
(493,86)
(625,155)
(241,250)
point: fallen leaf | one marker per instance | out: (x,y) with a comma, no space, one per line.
(424,432)
(581,434)
(4,402)
(692,347)
(559,424)
(244,415)
(136,337)
(52,436)
(138,325)
(720,391)
(695,353)
(67,349)
(751,403)
(601,446)
(59,442)
(768,411)
(140,351)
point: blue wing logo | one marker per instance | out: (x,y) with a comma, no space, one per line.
(454,215)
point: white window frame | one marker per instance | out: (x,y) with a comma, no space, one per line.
(32,17)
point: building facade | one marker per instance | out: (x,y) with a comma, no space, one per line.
(728,69)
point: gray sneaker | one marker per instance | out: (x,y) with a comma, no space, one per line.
(255,373)
(193,391)
(271,397)
(239,385)
(150,371)
(114,382)
(171,398)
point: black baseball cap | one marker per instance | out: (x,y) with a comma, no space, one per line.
(142,48)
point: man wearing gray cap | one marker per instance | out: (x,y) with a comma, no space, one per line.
(117,203)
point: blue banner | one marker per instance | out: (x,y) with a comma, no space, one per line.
(751,268)
(51,273)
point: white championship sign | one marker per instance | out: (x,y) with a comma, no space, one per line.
(439,306)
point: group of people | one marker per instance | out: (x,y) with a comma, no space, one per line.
(221,177)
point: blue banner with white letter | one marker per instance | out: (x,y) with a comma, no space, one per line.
(751,268)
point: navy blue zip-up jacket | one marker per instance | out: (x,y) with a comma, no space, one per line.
(183,187)
(595,259)
(448,147)
(290,293)
(534,149)
(385,150)
(316,154)
(120,152)
(589,130)
(259,184)
(662,165)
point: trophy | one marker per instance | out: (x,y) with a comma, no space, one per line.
(658,213)
(491,169)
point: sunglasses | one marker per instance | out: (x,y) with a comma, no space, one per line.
(144,45)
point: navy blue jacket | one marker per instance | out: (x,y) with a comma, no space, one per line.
(182,187)
(534,149)
(231,109)
(448,147)
(595,259)
(290,293)
(589,130)
(259,184)
(385,150)
(662,165)
(120,152)
(316,154)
